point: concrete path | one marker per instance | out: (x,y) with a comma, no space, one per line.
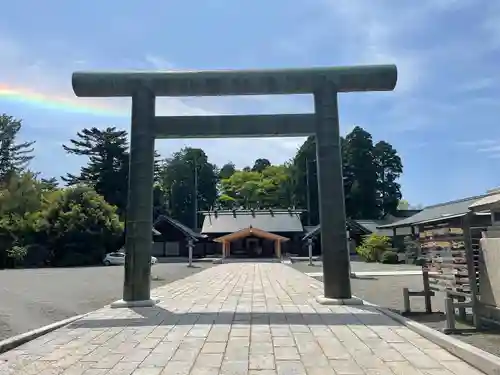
(235,319)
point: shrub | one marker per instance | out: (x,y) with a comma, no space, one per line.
(16,254)
(389,257)
(372,247)
(412,249)
(81,227)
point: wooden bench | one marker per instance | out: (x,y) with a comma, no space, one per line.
(447,268)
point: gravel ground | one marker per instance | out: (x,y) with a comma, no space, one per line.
(387,291)
(32,298)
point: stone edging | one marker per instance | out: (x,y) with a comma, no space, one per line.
(478,358)
(15,341)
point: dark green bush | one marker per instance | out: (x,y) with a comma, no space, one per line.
(81,227)
(389,257)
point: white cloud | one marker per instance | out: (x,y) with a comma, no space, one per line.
(491,25)
(374,32)
(478,143)
(489,148)
(370,33)
(478,84)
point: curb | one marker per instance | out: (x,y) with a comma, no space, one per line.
(371,273)
(15,341)
(478,358)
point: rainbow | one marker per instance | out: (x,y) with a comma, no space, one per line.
(56,103)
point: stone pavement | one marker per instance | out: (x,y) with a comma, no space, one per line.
(235,319)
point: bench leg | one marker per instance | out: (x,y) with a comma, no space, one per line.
(406,300)
(427,291)
(450,314)
(461,310)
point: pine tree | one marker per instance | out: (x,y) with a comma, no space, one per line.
(389,169)
(14,156)
(360,175)
(108,161)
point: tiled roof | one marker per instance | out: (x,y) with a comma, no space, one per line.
(274,221)
(181,227)
(351,225)
(436,212)
(486,203)
(373,226)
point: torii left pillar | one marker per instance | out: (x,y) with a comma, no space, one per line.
(138,244)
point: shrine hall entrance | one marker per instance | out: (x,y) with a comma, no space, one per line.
(251,243)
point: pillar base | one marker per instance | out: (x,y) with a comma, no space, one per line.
(353,301)
(131,304)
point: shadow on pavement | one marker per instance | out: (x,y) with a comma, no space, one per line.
(158,316)
(364,277)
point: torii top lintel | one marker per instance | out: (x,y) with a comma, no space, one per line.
(235,82)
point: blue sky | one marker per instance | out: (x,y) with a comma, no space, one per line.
(442,118)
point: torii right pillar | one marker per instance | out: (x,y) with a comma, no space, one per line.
(335,252)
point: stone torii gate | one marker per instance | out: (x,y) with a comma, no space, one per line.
(323,83)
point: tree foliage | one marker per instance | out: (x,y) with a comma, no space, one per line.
(370,177)
(108,162)
(305,180)
(361,200)
(49,184)
(227,170)
(81,227)
(42,223)
(73,226)
(389,168)
(14,155)
(373,247)
(260,164)
(269,188)
(184,176)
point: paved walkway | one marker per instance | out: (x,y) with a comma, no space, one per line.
(235,319)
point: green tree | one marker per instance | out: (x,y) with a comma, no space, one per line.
(360,175)
(271,188)
(279,186)
(21,200)
(260,164)
(49,184)
(403,205)
(305,181)
(107,167)
(389,168)
(21,195)
(245,188)
(81,227)
(14,156)
(227,170)
(373,246)
(178,177)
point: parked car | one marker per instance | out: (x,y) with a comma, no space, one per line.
(117,258)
